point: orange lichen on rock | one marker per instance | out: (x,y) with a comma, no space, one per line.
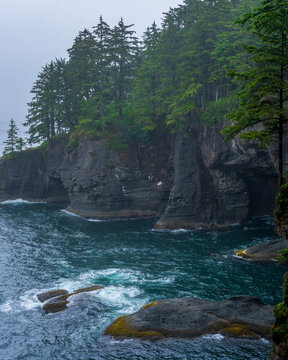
(121,328)
(239,331)
(243,253)
(153,303)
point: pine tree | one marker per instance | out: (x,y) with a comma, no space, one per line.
(46,111)
(11,142)
(100,101)
(261,113)
(20,143)
(81,75)
(124,51)
(146,101)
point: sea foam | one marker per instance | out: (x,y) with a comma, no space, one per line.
(21,201)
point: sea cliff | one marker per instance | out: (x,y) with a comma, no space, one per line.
(184,181)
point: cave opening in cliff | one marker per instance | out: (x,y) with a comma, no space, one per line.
(56,192)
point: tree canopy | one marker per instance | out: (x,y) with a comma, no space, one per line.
(113,84)
(261,114)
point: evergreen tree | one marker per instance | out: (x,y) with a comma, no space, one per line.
(80,74)
(263,98)
(110,86)
(10,143)
(20,143)
(124,51)
(46,110)
(146,101)
(99,103)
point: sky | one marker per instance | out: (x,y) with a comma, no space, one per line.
(34,32)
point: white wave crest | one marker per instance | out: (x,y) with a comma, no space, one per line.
(6,307)
(125,299)
(66,212)
(176,231)
(29,300)
(265,341)
(21,201)
(213,337)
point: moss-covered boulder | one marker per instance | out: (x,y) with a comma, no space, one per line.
(239,331)
(239,316)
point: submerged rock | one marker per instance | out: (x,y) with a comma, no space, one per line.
(239,316)
(264,252)
(57,300)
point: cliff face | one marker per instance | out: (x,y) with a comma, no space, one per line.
(185,181)
(217,184)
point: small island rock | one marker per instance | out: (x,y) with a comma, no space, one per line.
(57,300)
(239,316)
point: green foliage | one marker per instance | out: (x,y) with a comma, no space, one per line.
(281,216)
(280,327)
(263,97)
(112,87)
(281,211)
(216,111)
(44,145)
(118,144)
(73,141)
(46,111)
(283,257)
(13,143)
(20,143)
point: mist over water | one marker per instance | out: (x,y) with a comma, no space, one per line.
(44,248)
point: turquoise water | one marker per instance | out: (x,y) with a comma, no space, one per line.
(44,248)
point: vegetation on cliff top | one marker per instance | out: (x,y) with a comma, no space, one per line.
(113,85)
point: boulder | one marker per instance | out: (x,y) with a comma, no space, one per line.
(263,252)
(57,300)
(239,316)
(51,294)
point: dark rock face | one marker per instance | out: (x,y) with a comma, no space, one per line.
(217,184)
(187,182)
(239,316)
(264,252)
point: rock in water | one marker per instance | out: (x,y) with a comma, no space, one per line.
(57,300)
(264,252)
(239,316)
(56,304)
(51,294)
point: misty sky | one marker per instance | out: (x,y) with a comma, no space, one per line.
(34,32)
